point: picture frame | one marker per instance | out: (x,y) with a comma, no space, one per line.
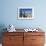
(25,13)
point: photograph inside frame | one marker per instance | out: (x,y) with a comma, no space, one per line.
(25,12)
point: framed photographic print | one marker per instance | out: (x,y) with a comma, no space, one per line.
(25,13)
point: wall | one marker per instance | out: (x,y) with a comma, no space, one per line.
(9,13)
